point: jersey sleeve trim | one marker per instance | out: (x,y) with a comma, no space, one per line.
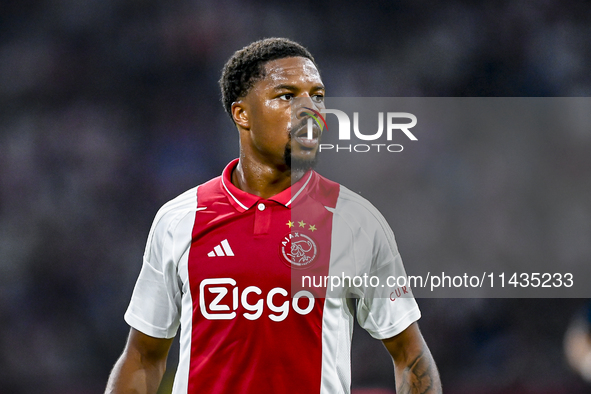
(147,328)
(401,324)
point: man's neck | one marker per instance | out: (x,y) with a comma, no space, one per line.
(263,180)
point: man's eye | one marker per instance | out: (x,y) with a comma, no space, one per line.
(286,96)
(319,98)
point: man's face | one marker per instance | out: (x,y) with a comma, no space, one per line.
(276,135)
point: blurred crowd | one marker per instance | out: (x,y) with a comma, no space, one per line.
(110,108)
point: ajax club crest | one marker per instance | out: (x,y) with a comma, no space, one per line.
(297,249)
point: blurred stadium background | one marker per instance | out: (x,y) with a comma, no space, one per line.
(110,108)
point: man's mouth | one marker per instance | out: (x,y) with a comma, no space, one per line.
(301,136)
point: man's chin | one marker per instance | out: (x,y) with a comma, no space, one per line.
(303,165)
(301,161)
(300,164)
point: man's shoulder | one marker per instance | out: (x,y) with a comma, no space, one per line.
(348,200)
(184,204)
(356,209)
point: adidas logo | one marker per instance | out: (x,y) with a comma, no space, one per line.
(223,249)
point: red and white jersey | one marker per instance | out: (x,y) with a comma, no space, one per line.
(222,264)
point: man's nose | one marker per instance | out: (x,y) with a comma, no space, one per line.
(303,107)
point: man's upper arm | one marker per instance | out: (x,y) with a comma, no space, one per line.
(141,366)
(151,349)
(414,366)
(407,343)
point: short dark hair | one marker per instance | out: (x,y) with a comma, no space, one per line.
(246,66)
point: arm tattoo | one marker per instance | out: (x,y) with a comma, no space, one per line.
(418,377)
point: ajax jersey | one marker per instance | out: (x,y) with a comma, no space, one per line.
(227,267)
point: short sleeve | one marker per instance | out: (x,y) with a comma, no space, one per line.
(155,303)
(386,311)
(385,305)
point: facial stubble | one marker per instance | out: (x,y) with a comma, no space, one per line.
(296,164)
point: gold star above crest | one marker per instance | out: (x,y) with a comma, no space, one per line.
(312,228)
(289,224)
(301,223)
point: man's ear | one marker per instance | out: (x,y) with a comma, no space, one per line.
(240,114)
